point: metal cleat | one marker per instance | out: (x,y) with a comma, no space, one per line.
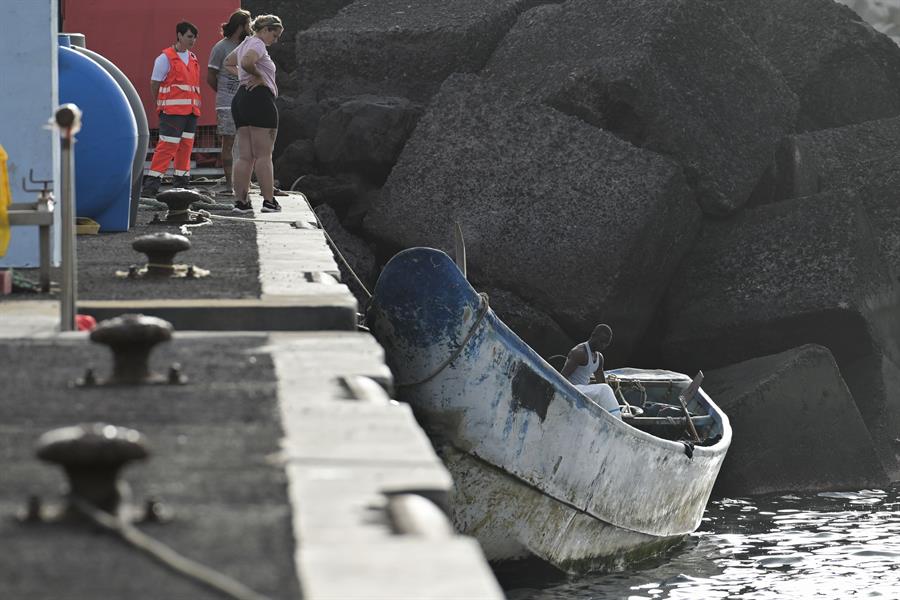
(131,338)
(91,456)
(179,201)
(161,249)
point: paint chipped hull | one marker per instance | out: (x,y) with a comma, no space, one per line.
(540,469)
(514,521)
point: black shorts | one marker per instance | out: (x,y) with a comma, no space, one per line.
(254,108)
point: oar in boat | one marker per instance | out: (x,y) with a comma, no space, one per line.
(460,253)
(687,395)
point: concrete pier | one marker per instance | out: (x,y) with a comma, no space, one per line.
(283,459)
(292,284)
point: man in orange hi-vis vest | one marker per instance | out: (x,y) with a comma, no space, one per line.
(175,83)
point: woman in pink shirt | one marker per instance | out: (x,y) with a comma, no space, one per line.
(255,114)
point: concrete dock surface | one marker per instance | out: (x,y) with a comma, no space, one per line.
(284,461)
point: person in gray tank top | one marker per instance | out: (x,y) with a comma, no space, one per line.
(225,84)
(585,361)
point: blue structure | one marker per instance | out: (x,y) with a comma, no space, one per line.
(29,99)
(107,142)
(140,116)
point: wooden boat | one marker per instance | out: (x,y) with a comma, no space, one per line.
(540,470)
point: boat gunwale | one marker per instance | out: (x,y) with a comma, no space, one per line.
(574,397)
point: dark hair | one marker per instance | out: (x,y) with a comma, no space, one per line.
(604,329)
(183,27)
(237,20)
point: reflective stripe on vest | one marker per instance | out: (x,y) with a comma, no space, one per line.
(179,102)
(187,88)
(179,93)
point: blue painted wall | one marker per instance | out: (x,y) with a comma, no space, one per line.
(28,78)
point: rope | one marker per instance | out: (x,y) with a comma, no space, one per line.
(296,181)
(640,387)
(161,266)
(482,311)
(334,245)
(345,263)
(20,283)
(338,252)
(157,205)
(164,554)
(205,214)
(330,243)
(204,220)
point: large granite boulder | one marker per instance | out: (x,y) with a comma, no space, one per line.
(365,135)
(881,197)
(782,408)
(536,328)
(339,191)
(775,277)
(401,48)
(874,185)
(842,70)
(840,158)
(673,76)
(297,160)
(572,219)
(298,119)
(859,163)
(783,275)
(874,380)
(295,15)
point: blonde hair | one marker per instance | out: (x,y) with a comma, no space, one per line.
(266,21)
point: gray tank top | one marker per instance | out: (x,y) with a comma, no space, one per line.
(582,374)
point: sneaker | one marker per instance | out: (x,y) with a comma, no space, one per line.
(225,194)
(244,208)
(150,186)
(278,192)
(271,206)
(220,187)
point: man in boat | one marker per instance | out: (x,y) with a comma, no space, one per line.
(585,361)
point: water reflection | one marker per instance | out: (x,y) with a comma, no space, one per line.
(829,545)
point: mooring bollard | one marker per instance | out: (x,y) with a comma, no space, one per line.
(68,120)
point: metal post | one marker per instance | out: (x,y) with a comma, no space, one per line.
(46,248)
(68,120)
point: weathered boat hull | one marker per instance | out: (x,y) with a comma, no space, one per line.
(514,521)
(539,468)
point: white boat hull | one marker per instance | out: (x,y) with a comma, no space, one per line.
(540,469)
(514,521)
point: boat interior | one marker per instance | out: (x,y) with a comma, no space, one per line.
(654,404)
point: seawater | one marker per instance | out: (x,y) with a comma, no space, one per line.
(826,545)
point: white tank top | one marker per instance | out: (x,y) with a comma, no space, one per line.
(582,373)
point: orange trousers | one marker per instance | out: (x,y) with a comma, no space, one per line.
(176,141)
